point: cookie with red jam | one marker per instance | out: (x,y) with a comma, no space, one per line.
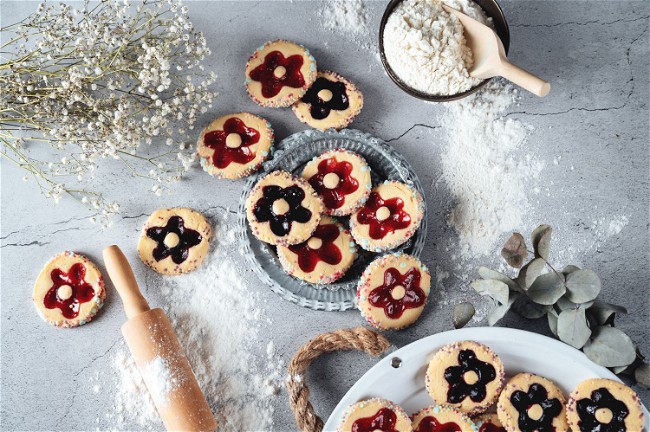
(393,291)
(279,73)
(442,418)
(331,102)
(324,258)
(375,415)
(235,145)
(69,290)
(465,375)
(174,241)
(600,404)
(389,217)
(489,422)
(283,209)
(341,178)
(531,403)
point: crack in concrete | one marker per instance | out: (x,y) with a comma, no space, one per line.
(35,242)
(410,129)
(135,216)
(583,23)
(224,209)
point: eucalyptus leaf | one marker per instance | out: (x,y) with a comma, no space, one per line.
(487,273)
(563,303)
(552,322)
(528,309)
(642,375)
(463,313)
(515,250)
(619,369)
(496,289)
(530,271)
(570,269)
(547,288)
(500,311)
(572,327)
(582,286)
(604,313)
(610,347)
(542,241)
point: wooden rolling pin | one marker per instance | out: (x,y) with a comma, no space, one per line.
(158,354)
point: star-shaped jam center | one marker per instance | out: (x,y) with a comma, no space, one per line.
(277,72)
(320,247)
(232,144)
(334,181)
(383,216)
(69,290)
(398,292)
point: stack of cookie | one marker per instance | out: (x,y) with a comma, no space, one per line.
(467,382)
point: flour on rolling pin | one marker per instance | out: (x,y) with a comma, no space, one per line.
(161,379)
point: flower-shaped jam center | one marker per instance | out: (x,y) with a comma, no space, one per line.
(334,181)
(173,240)
(490,427)
(602,412)
(384,420)
(320,247)
(383,216)
(69,290)
(324,96)
(536,410)
(232,144)
(431,424)
(469,378)
(398,293)
(280,207)
(277,72)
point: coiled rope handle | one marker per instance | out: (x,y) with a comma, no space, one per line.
(359,338)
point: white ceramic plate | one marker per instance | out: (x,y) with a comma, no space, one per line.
(519,350)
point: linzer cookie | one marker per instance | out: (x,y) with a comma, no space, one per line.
(489,422)
(283,210)
(389,217)
(599,404)
(279,73)
(341,178)
(531,403)
(393,290)
(174,241)
(374,415)
(235,145)
(442,418)
(331,102)
(466,375)
(322,259)
(69,290)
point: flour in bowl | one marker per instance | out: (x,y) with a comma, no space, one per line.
(424,45)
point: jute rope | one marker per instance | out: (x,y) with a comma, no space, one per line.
(358,338)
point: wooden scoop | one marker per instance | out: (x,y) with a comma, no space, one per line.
(490,57)
(152,341)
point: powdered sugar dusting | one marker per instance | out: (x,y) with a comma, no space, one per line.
(217,319)
(347,16)
(160,379)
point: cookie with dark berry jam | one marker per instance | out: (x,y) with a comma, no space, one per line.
(393,291)
(466,375)
(375,415)
(235,145)
(442,418)
(389,217)
(331,102)
(279,73)
(324,257)
(531,403)
(604,405)
(283,210)
(341,178)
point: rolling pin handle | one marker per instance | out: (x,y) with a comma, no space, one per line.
(124,281)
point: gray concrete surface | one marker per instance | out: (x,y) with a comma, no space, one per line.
(596,118)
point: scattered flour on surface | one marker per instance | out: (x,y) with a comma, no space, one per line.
(485,170)
(347,16)
(217,319)
(160,380)
(425,46)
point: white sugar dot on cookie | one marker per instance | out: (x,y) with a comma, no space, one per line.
(174,241)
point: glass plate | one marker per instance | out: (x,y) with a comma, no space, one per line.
(291,154)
